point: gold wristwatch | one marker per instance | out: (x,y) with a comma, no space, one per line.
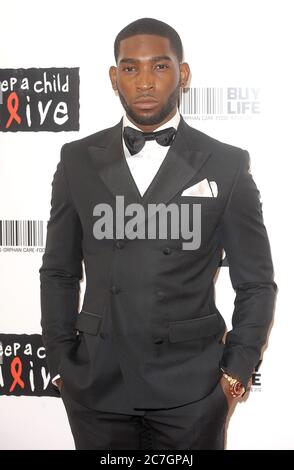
(236,387)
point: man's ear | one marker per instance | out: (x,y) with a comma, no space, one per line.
(185,74)
(112,75)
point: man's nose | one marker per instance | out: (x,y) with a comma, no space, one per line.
(145,81)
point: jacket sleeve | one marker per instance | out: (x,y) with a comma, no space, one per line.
(244,238)
(61,272)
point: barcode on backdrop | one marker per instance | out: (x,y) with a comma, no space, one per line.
(202,101)
(21,232)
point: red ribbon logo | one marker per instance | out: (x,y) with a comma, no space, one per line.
(12,105)
(16,370)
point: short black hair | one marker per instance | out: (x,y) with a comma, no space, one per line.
(150,26)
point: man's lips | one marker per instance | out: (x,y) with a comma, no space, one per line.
(145,103)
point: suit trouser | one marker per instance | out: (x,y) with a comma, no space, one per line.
(194,426)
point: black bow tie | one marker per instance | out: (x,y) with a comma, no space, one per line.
(135,140)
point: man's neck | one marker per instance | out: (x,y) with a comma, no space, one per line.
(170,121)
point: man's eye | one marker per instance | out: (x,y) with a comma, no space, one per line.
(129,68)
(161,66)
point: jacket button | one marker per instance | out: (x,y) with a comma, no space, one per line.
(158,341)
(115,289)
(119,244)
(166,250)
(161,295)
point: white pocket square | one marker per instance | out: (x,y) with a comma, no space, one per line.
(204,188)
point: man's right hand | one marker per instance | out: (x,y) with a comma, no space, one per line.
(59,383)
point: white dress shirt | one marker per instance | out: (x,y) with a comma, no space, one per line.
(145,164)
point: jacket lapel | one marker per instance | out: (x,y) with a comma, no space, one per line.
(181,164)
(112,168)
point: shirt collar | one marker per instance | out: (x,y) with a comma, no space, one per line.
(173,122)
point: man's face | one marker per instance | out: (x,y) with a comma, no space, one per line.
(148,77)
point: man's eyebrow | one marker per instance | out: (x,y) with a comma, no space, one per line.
(152,59)
(160,57)
(128,59)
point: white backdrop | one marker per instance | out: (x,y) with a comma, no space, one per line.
(227,44)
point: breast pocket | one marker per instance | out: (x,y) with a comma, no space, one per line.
(206,203)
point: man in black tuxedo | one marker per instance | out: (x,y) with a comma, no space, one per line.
(145,362)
